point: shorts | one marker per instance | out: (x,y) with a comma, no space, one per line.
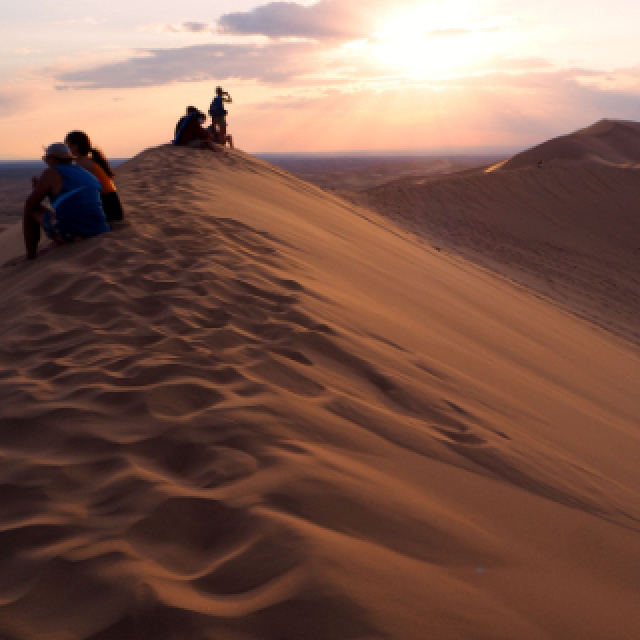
(111,206)
(219,120)
(54,230)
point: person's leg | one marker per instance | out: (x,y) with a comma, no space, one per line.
(31,230)
(229,139)
(111,206)
(214,147)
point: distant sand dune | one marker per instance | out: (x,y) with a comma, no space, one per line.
(260,412)
(570,233)
(607,142)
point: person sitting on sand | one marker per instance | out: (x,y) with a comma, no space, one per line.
(74,195)
(190,132)
(218,113)
(93,160)
(217,136)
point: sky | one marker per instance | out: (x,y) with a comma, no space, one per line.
(310,76)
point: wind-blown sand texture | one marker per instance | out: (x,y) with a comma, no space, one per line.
(570,232)
(260,412)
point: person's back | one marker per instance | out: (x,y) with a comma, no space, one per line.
(191,130)
(78,207)
(179,128)
(217,107)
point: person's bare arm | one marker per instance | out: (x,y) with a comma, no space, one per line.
(47,184)
(226,97)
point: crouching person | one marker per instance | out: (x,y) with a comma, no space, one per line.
(190,132)
(74,196)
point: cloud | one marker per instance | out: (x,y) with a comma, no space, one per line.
(189,27)
(521,93)
(545,94)
(14,101)
(324,20)
(518,64)
(271,63)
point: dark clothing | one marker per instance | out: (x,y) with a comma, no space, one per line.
(112,207)
(188,129)
(217,107)
(179,127)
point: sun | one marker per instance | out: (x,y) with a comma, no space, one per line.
(428,40)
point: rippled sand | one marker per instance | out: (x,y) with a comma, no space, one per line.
(260,412)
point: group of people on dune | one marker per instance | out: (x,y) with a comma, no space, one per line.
(190,130)
(79,181)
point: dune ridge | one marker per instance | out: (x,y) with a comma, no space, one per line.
(262,412)
(607,142)
(571,234)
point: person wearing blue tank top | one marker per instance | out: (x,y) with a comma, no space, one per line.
(74,194)
(218,119)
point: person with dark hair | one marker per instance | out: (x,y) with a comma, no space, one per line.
(184,120)
(190,132)
(93,160)
(74,195)
(218,116)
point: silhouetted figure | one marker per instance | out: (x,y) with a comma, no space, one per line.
(218,116)
(190,132)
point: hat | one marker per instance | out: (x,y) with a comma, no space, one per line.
(58,150)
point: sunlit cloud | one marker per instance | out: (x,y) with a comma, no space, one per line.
(325,19)
(274,64)
(15,100)
(517,64)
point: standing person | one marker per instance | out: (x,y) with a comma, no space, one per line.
(93,160)
(218,113)
(74,195)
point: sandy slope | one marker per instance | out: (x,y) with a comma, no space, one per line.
(607,142)
(570,233)
(260,412)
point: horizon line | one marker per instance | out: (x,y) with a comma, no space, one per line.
(426,152)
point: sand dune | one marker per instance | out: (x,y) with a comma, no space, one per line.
(260,412)
(607,142)
(569,233)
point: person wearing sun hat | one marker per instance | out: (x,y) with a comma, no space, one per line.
(74,196)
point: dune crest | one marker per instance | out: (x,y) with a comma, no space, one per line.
(570,232)
(607,142)
(260,412)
